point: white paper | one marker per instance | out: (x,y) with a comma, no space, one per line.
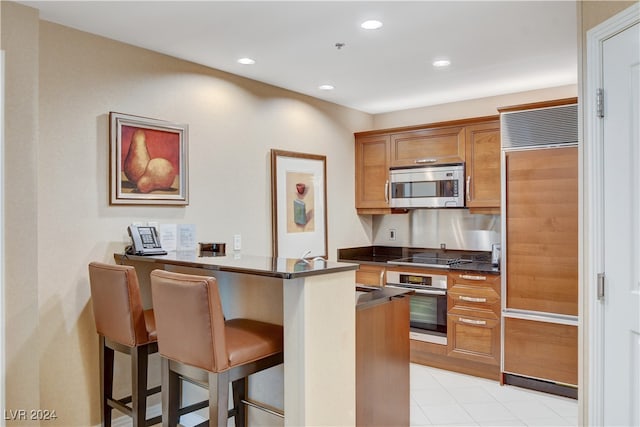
(168,236)
(186,237)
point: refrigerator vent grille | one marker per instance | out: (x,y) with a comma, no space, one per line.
(545,126)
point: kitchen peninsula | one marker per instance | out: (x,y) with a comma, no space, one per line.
(314,301)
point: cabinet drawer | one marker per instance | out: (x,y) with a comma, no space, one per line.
(474,338)
(371,275)
(476,279)
(432,146)
(462,295)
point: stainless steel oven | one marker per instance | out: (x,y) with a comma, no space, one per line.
(428,312)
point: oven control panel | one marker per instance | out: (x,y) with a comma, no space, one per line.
(417,280)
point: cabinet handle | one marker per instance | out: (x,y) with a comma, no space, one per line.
(472,299)
(471,277)
(386,191)
(472,322)
(468,188)
(381,278)
(421,161)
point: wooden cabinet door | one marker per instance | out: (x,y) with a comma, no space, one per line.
(382,364)
(371,275)
(372,172)
(428,147)
(542,230)
(483,165)
(548,351)
(474,338)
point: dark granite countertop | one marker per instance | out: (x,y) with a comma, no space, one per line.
(369,296)
(284,268)
(480,260)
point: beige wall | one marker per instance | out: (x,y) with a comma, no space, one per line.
(20,42)
(468,109)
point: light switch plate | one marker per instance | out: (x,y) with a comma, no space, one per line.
(237,242)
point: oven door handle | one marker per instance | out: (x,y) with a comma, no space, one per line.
(439,292)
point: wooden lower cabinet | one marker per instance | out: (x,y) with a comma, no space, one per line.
(474,338)
(382,364)
(541,350)
(473,328)
(473,317)
(371,275)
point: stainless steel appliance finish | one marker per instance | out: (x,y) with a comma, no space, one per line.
(439,186)
(428,305)
(430,228)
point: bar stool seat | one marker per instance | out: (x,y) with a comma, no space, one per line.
(124,326)
(197,344)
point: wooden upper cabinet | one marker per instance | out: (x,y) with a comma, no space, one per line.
(428,147)
(474,141)
(483,166)
(372,173)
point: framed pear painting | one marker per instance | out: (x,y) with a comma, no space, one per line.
(148,161)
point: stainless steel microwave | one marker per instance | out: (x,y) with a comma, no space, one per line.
(436,186)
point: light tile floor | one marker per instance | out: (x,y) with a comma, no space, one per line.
(440,397)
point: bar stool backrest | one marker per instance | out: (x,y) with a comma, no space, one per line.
(117,306)
(189,320)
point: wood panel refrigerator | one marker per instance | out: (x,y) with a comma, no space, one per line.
(539,214)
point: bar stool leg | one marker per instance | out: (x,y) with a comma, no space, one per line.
(139,364)
(218,398)
(106,381)
(239,394)
(170,394)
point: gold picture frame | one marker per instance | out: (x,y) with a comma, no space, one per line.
(149,164)
(298,204)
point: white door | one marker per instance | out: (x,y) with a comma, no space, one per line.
(621,226)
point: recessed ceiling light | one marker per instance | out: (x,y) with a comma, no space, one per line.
(246,61)
(441,63)
(371,24)
(326,87)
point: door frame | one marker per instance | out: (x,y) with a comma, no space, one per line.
(592,372)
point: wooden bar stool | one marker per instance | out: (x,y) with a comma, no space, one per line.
(123,326)
(197,344)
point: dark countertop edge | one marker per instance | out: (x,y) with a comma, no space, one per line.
(381,296)
(488,270)
(238,269)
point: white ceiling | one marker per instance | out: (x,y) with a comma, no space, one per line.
(495,47)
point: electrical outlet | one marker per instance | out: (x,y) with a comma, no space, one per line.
(443,246)
(237,242)
(392,234)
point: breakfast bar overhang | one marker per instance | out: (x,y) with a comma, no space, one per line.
(319,325)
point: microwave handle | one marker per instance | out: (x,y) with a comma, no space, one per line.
(422,161)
